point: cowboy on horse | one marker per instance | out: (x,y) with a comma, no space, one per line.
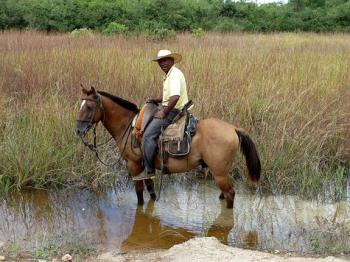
(214,143)
(174,98)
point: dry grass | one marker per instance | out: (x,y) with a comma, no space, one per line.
(290,91)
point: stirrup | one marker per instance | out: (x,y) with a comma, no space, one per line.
(144,175)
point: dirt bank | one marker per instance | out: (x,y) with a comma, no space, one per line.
(205,249)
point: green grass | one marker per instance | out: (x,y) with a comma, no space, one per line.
(332,239)
(39,148)
(54,247)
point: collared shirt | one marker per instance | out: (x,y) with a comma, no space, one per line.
(175,85)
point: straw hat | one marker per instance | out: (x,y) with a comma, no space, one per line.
(166,53)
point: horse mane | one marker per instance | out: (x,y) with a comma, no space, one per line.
(120,101)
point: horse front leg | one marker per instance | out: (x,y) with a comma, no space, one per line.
(150,188)
(134,170)
(139,192)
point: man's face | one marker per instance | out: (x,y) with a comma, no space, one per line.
(166,63)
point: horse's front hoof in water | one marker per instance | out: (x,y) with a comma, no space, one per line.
(229,204)
(139,194)
(150,188)
(153,196)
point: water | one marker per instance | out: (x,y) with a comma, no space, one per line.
(113,221)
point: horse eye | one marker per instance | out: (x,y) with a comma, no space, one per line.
(89,108)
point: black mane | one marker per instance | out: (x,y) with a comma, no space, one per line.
(120,101)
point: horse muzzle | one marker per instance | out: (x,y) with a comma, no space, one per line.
(82,128)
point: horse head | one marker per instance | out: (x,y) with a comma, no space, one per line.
(91,111)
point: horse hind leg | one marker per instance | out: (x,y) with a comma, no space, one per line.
(150,188)
(224,183)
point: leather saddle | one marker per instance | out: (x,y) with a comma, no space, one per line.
(142,119)
(176,139)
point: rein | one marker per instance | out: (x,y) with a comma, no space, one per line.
(94,146)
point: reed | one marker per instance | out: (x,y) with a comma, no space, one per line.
(290,91)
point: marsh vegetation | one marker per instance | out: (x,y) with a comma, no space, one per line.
(289,91)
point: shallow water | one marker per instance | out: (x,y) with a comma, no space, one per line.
(112,220)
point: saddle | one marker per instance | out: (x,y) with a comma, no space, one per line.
(175,140)
(142,119)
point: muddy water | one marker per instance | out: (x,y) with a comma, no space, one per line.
(112,221)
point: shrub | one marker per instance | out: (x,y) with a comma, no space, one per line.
(160,34)
(155,30)
(81,32)
(228,25)
(198,32)
(115,28)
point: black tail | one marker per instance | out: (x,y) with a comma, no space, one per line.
(251,155)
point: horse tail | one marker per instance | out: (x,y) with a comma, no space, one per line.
(251,155)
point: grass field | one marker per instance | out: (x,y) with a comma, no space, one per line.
(290,91)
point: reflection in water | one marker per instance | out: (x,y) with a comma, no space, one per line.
(347,190)
(222,224)
(113,220)
(102,235)
(250,239)
(148,232)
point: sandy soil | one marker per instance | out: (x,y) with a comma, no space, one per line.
(206,249)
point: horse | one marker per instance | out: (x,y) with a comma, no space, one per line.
(214,145)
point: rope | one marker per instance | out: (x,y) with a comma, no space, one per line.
(161,167)
(93,147)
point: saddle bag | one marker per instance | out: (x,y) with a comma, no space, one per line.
(176,138)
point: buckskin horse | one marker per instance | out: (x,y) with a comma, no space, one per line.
(214,145)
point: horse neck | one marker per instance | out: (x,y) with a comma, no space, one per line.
(116,119)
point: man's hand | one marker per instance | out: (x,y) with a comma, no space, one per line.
(160,114)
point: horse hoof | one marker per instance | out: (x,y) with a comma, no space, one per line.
(153,196)
(222,196)
(229,204)
(140,203)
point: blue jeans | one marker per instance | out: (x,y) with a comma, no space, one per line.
(150,136)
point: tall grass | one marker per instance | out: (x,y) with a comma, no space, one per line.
(38,145)
(290,91)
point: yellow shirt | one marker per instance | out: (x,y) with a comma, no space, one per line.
(175,85)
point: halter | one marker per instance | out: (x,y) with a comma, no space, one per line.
(93,146)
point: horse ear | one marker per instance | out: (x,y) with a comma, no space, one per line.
(93,91)
(83,89)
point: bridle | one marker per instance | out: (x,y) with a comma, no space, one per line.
(93,146)
(99,106)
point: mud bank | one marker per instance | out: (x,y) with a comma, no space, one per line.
(205,249)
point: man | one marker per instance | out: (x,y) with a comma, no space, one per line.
(173,99)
